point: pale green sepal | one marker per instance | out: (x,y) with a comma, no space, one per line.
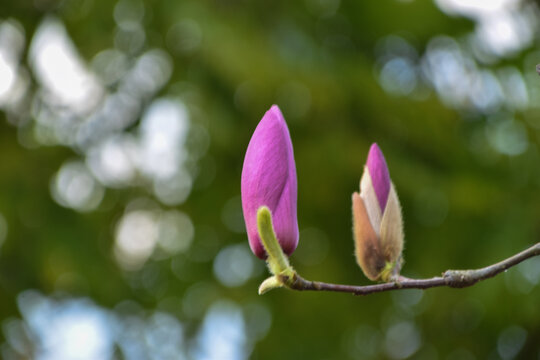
(269,284)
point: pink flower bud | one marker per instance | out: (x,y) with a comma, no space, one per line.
(380,178)
(269,179)
(378,225)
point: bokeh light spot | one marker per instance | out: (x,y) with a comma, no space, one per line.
(176,231)
(398,76)
(507,136)
(184,37)
(402,340)
(223,334)
(67,329)
(258,320)
(75,187)
(136,236)
(511,341)
(364,341)
(233,265)
(113,162)
(61,71)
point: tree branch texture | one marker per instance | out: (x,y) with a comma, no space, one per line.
(450,278)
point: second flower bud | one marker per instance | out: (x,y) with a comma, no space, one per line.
(377,221)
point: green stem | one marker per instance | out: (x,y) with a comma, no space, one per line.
(277,261)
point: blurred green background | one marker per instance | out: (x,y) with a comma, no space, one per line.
(123,127)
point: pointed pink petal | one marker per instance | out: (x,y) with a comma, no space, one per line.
(379,174)
(269,178)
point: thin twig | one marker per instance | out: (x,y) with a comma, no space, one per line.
(450,278)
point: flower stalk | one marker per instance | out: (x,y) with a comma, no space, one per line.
(277,261)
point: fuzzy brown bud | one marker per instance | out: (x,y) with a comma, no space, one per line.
(377,221)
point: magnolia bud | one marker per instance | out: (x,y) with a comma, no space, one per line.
(377,221)
(269,179)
